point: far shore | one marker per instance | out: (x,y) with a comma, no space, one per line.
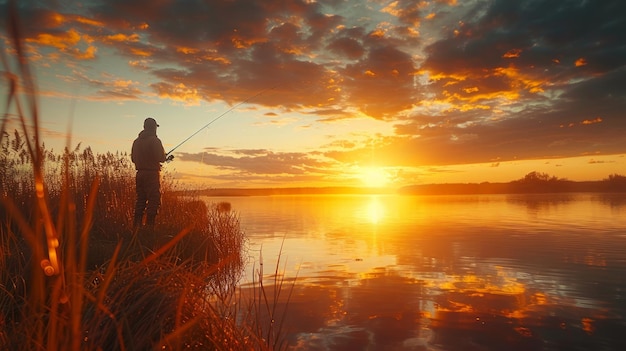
(514,187)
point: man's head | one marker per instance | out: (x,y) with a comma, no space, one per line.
(150,123)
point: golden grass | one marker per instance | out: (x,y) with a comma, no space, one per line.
(75,275)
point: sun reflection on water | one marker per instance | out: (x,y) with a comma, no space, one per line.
(491,272)
(375,210)
(372,211)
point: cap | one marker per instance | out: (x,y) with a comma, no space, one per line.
(150,123)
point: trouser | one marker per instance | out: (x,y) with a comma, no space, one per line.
(148,187)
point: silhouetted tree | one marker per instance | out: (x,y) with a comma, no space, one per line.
(537,182)
(615,183)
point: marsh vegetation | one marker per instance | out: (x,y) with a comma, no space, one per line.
(75,275)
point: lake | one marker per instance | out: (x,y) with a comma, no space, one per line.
(470,272)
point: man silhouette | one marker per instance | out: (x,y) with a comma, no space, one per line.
(147,154)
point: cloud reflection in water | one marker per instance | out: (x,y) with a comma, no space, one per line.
(457,273)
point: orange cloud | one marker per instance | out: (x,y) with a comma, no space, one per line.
(585,122)
(392,9)
(592,121)
(454,76)
(142,64)
(87,21)
(141,52)
(179,92)
(533,86)
(242,42)
(61,41)
(122,38)
(123,83)
(513,53)
(471,107)
(187,50)
(67,42)
(88,54)
(221,59)
(580,62)
(378,33)
(407,12)
(198,54)
(55,19)
(467,103)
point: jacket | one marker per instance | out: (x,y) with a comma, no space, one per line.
(147,153)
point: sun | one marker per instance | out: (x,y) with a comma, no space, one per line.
(374,177)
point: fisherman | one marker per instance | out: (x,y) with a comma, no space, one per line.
(147,154)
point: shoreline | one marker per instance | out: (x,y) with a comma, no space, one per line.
(515,187)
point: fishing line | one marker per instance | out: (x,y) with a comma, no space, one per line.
(218,117)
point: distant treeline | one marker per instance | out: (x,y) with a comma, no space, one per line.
(534,182)
(292,191)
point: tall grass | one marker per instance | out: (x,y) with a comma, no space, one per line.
(74,274)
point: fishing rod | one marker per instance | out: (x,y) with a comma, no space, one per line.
(170,157)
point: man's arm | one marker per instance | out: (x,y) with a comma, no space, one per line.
(159,151)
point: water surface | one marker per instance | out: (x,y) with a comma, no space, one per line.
(484,272)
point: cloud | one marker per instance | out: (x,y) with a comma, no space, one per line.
(407,11)
(593,161)
(381,85)
(67,42)
(461,82)
(500,64)
(229,50)
(261,162)
(108,87)
(348,47)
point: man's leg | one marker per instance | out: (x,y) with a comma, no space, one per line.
(153,186)
(142,199)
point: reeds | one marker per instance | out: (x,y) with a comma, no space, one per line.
(76,276)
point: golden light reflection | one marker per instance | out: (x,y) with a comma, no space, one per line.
(361,269)
(375,210)
(372,209)
(476,284)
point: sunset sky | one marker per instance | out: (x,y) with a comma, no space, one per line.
(337,92)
